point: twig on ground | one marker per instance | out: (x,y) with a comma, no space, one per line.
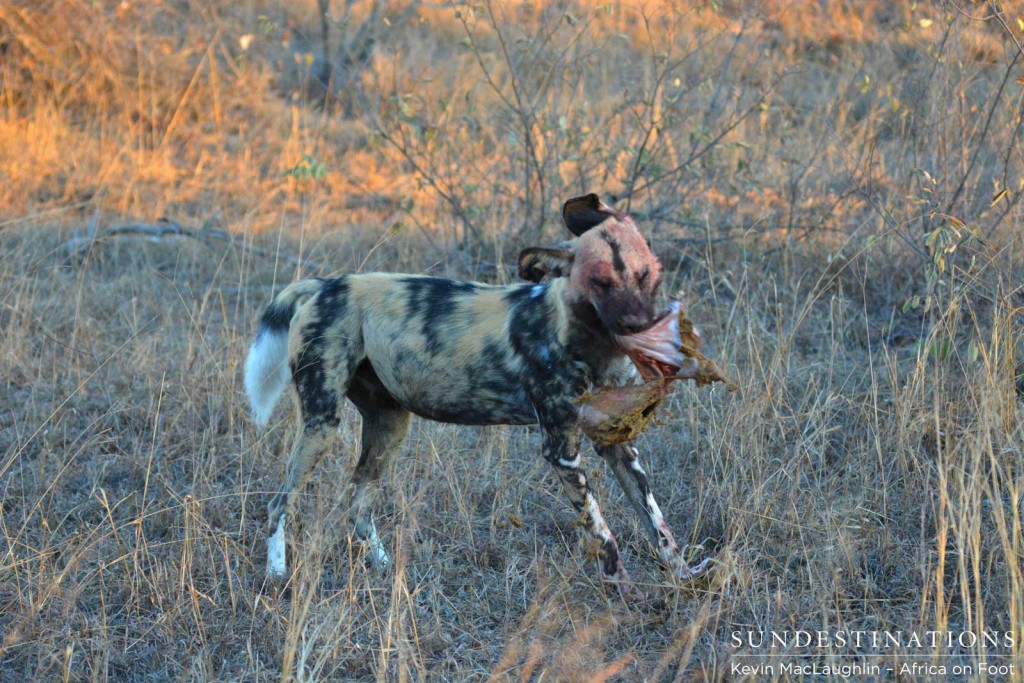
(77,246)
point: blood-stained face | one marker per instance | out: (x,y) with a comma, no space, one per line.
(609,263)
(614,267)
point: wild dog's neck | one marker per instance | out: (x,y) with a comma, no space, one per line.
(578,318)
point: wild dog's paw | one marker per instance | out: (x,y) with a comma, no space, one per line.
(376,553)
(625,588)
(277,565)
(686,571)
(713,574)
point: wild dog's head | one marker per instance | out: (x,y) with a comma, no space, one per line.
(609,264)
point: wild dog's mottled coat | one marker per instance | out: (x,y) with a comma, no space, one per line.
(465,353)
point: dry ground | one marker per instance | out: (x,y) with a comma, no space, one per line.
(834,186)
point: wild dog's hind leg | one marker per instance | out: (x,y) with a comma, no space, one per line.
(383,432)
(315,435)
(325,347)
(624,462)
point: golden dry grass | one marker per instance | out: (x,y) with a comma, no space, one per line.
(833,185)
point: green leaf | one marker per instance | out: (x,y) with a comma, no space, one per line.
(972,351)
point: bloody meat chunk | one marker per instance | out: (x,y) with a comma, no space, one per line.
(666,351)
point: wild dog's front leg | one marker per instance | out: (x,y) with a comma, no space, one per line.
(624,462)
(562,450)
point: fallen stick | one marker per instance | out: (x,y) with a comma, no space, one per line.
(76,247)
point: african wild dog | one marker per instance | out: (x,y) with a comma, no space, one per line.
(466,353)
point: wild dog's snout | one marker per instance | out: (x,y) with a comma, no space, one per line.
(627,313)
(633,323)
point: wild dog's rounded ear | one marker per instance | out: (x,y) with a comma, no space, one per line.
(540,264)
(583,213)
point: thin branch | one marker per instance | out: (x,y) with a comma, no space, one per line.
(984,133)
(703,150)
(78,246)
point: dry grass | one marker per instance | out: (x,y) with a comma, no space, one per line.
(803,168)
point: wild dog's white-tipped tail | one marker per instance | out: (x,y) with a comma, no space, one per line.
(266,372)
(266,368)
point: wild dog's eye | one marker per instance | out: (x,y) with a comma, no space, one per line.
(601,283)
(645,274)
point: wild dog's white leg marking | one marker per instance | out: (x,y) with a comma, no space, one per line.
(600,529)
(276,564)
(573,463)
(668,550)
(378,556)
(562,450)
(685,571)
(638,490)
(598,526)
(383,431)
(306,452)
(609,559)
